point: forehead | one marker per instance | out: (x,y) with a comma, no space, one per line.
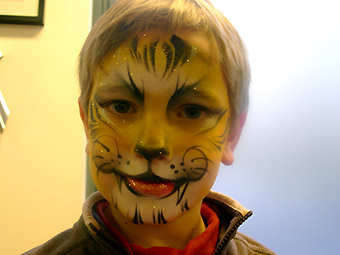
(178,47)
(206,46)
(153,58)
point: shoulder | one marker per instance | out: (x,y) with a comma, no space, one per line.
(242,244)
(232,215)
(76,240)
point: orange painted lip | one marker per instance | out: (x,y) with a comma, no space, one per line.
(154,189)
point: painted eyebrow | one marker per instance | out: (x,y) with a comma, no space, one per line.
(122,85)
(132,86)
(189,89)
(180,91)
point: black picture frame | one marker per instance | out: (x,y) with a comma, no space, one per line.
(26,20)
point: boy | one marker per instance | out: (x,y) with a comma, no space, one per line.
(164,96)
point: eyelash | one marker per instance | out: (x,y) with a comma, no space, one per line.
(113,103)
(183,112)
(186,108)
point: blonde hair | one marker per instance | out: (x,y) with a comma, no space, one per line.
(130,17)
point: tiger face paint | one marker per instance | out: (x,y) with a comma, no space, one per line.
(157,124)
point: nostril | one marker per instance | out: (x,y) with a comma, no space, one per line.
(151,152)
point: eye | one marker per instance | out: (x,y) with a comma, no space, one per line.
(193,112)
(118,106)
(121,106)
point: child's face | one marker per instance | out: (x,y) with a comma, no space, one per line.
(157,124)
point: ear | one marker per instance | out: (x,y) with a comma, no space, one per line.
(84,120)
(234,136)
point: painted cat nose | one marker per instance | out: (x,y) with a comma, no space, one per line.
(151,152)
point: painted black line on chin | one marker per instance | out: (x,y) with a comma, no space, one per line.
(137,218)
(178,185)
(185,206)
(161,218)
(180,196)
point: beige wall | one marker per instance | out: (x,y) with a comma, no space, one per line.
(41,149)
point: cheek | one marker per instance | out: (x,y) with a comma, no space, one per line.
(104,183)
(101,166)
(103,154)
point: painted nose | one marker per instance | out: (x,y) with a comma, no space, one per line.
(151,152)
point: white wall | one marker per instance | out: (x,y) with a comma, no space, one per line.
(287,163)
(41,149)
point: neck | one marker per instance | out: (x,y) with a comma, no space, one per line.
(175,234)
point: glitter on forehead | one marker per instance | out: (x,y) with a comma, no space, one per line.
(176,51)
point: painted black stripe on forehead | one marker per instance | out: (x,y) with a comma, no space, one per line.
(134,52)
(177,53)
(169,56)
(145,57)
(152,54)
(182,51)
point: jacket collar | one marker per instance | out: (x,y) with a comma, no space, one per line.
(233,214)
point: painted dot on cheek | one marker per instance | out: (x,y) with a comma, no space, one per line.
(119,156)
(182,164)
(172,166)
(128,162)
(176,172)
